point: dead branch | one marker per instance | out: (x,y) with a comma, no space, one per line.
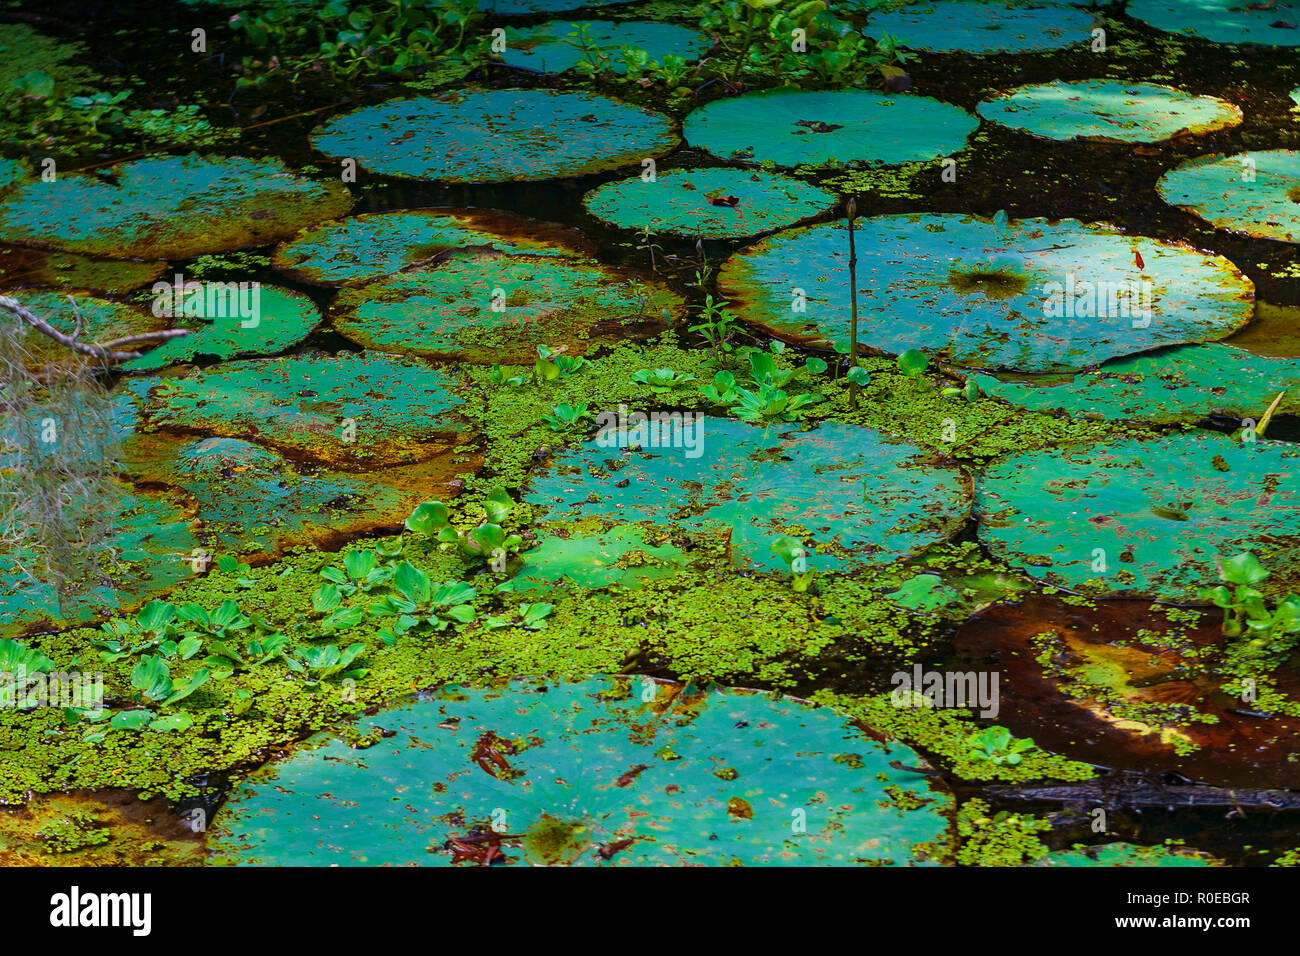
(106,351)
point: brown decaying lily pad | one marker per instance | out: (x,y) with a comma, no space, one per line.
(23,267)
(1105,643)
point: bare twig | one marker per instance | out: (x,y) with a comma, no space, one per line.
(105,352)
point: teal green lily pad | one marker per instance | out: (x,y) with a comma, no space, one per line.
(1186,383)
(345,408)
(1030,294)
(169,207)
(806,127)
(961,26)
(374,245)
(512,8)
(497,136)
(554,46)
(254,500)
(230,322)
(1255,193)
(617,557)
(101,320)
(23,266)
(604,772)
(1143,517)
(12,171)
(1220,21)
(153,541)
(1126,854)
(491,307)
(716,203)
(1295,95)
(1108,110)
(853,497)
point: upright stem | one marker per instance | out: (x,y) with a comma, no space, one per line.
(749,40)
(851,210)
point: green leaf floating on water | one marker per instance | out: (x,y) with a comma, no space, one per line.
(553,46)
(12,171)
(374,245)
(716,203)
(169,207)
(20,265)
(1220,21)
(591,773)
(508,8)
(853,497)
(1255,193)
(619,556)
(1185,383)
(797,127)
(1108,110)
(497,136)
(960,26)
(401,410)
(227,322)
(490,307)
(101,320)
(1031,295)
(1126,854)
(1143,517)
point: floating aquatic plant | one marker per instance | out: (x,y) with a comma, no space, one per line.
(601,772)
(497,136)
(558,45)
(1262,23)
(1254,193)
(715,203)
(1030,294)
(1108,110)
(797,127)
(961,26)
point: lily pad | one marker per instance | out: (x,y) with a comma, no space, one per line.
(555,46)
(12,171)
(169,207)
(717,203)
(498,308)
(1255,194)
(807,127)
(617,557)
(1031,294)
(1142,517)
(373,245)
(22,266)
(592,774)
(101,320)
(401,410)
(497,136)
(1186,383)
(1269,25)
(230,322)
(153,541)
(853,497)
(961,26)
(253,500)
(1108,110)
(512,8)
(1126,854)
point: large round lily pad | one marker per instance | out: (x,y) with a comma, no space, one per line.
(591,773)
(620,556)
(1031,295)
(1108,110)
(497,135)
(169,207)
(854,498)
(1268,23)
(345,408)
(24,266)
(962,26)
(797,127)
(556,45)
(1256,194)
(373,245)
(717,203)
(1126,854)
(1179,384)
(510,8)
(1144,517)
(227,321)
(498,308)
